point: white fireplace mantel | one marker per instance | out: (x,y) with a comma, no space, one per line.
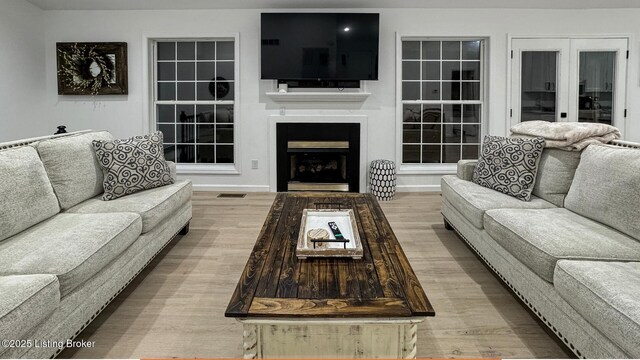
(358,119)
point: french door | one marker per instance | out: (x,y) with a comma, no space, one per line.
(577,80)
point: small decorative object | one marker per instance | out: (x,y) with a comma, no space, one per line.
(61,130)
(283,88)
(315,239)
(509,165)
(382,179)
(92,68)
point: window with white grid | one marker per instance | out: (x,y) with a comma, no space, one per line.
(194,99)
(442,100)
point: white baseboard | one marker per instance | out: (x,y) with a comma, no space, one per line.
(418,188)
(245,188)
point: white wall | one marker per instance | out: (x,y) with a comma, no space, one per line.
(125,115)
(22,71)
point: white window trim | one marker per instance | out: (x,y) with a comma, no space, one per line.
(437,169)
(148,59)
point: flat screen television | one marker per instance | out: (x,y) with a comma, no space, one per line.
(319,46)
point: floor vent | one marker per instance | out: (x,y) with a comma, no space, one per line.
(235,195)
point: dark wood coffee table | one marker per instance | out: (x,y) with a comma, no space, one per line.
(328,307)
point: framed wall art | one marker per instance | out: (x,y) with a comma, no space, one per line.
(92,68)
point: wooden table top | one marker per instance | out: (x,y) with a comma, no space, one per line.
(275,283)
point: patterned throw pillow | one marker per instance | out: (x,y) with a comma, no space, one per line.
(132,165)
(509,165)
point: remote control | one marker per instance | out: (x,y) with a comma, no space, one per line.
(335,230)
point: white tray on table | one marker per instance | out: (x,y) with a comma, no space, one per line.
(319,219)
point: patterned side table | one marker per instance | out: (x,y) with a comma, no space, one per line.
(382,179)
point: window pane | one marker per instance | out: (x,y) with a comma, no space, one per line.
(470,151)
(206,154)
(470,91)
(206,90)
(205,114)
(431,70)
(166,91)
(411,134)
(451,70)
(166,71)
(452,134)
(168,132)
(186,50)
(451,50)
(471,113)
(186,91)
(166,50)
(169,152)
(431,133)
(206,71)
(184,113)
(186,71)
(471,70)
(430,90)
(452,113)
(411,154)
(224,50)
(431,113)
(471,50)
(165,114)
(431,154)
(224,71)
(411,70)
(224,113)
(185,133)
(206,50)
(451,153)
(411,50)
(224,154)
(185,153)
(596,86)
(224,134)
(450,90)
(538,88)
(410,90)
(224,90)
(431,50)
(471,133)
(411,113)
(206,134)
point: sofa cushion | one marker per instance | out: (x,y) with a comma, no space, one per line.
(154,205)
(472,200)
(73,167)
(509,165)
(26,195)
(607,295)
(25,301)
(539,238)
(555,174)
(606,187)
(132,165)
(73,247)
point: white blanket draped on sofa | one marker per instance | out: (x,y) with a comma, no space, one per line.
(570,136)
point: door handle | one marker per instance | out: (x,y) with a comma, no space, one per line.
(563,115)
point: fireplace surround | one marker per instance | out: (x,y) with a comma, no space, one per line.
(318,157)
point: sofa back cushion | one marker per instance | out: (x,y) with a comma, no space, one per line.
(73,167)
(26,195)
(555,174)
(606,187)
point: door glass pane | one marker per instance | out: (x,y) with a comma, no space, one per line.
(595,87)
(538,85)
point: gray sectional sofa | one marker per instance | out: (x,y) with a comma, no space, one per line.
(571,254)
(65,253)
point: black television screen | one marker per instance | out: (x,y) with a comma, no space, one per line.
(319,46)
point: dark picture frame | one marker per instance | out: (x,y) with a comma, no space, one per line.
(92,68)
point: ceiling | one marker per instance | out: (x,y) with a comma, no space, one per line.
(333,4)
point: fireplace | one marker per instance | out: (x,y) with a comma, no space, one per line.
(318,157)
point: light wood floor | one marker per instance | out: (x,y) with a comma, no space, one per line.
(175,308)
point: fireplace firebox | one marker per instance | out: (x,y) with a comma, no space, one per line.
(318,157)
